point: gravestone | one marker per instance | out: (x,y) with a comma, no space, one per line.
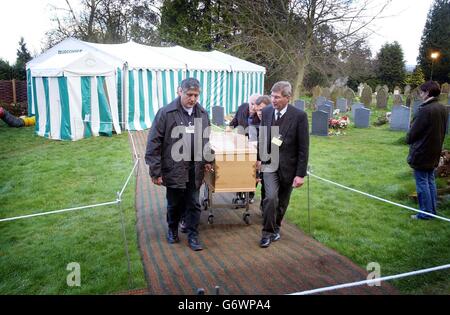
(386,88)
(407,90)
(415,107)
(398,100)
(382,99)
(400,118)
(342,105)
(443,98)
(326,108)
(218,116)
(319,124)
(397,91)
(320,101)
(326,93)
(300,104)
(355,107)
(408,101)
(331,103)
(349,95)
(377,89)
(338,92)
(316,91)
(415,95)
(366,97)
(448,120)
(445,88)
(360,89)
(362,118)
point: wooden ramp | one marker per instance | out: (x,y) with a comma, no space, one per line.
(232,258)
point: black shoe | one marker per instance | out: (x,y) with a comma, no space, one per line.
(275,237)
(194,244)
(172,236)
(265,242)
(183,228)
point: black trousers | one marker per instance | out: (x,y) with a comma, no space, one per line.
(184,203)
(275,203)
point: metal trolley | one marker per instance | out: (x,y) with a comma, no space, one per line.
(234,171)
(241,200)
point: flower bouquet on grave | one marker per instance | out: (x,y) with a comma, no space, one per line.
(338,125)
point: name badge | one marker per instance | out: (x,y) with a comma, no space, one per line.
(190,129)
(277,141)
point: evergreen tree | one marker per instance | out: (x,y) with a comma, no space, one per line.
(390,65)
(196,24)
(6,71)
(23,56)
(186,23)
(436,38)
(416,78)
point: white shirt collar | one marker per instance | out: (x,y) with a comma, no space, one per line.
(283,111)
(188,110)
(428,99)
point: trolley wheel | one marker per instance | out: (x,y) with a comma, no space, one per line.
(205,204)
(246,218)
(235,202)
(211,219)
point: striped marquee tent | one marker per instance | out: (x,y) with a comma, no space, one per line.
(116,87)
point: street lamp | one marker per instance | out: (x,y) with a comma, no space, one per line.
(434,56)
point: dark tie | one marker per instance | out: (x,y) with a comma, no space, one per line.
(278,115)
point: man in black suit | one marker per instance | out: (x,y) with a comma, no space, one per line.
(284,136)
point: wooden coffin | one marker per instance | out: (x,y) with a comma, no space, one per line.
(235,163)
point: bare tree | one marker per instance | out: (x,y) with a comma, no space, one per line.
(292,35)
(106,21)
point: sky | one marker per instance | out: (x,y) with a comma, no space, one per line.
(403,21)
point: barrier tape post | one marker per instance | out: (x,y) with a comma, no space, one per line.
(309,199)
(125,241)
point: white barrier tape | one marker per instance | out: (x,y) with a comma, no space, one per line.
(219,127)
(128,179)
(59,211)
(84,207)
(136,156)
(373,281)
(378,198)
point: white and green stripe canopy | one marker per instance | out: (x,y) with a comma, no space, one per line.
(79,89)
(148,91)
(73,108)
(71,101)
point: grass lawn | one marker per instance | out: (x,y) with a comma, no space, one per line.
(366,230)
(39,175)
(42,175)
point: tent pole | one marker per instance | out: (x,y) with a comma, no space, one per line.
(124,95)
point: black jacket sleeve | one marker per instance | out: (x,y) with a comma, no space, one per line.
(418,126)
(234,122)
(155,144)
(303,145)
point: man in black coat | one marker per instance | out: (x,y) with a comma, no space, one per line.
(284,136)
(242,120)
(425,138)
(244,112)
(175,157)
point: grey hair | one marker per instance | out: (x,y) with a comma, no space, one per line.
(190,84)
(263,99)
(284,87)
